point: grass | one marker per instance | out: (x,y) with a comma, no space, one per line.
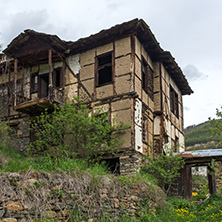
(175,210)
(16,161)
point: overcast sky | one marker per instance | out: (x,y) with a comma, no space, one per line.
(190,29)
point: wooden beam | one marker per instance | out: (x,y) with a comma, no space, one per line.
(15,78)
(50,73)
(78,79)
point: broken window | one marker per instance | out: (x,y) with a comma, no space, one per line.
(145,130)
(174,104)
(175,144)
(34,83)
(147,78)
(44,85)
(57,78)
(104,73)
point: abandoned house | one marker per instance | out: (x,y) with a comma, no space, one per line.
(124,68)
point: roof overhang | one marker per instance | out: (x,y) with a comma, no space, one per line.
(32,47)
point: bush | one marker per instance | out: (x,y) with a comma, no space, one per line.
(74,129)
(165,169)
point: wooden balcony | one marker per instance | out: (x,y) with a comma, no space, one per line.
(36,106)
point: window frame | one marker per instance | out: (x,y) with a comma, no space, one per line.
(147,78)
(145,130)
(99,67)
(57,77)
(174,102)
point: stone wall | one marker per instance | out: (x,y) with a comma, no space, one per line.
(33,195)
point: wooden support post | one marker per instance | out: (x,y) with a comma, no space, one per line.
(15,79)
(211,180)
(50,74)
(185,185)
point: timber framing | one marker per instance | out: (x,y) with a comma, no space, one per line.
(122,70)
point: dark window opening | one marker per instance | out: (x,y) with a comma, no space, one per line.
(174,103)
(44,85)
(34,83)
(113,165)
(104,69)
(145,130)
(147,78)
(57,78)
(176,144)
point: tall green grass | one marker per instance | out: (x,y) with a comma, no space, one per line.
(16,161)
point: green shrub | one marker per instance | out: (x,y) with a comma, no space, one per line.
(75,130)
(165,169)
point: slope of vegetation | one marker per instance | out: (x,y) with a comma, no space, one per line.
(200,134)
(58,184)
(55,180)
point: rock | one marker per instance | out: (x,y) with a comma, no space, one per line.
(104,190)
(8,220)
(14,206)
(14,176)
(2,212)
(50,214)
(29,183)
(116,203)
(134,198)
(66,213)
(104,196)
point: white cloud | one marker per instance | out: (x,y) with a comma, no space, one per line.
(192,73)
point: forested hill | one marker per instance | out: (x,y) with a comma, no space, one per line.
(199,137)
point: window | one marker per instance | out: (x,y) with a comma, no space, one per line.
(174,105)
(44,85)
(34,83)
(57,78)
(175,144)
(104,73)
(147,78)
(145,130)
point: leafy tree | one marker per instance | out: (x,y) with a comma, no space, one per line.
(216,126)
(74,129)
(165,169)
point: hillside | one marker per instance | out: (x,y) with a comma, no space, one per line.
(200,137)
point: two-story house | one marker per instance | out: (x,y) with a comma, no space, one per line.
(122,68)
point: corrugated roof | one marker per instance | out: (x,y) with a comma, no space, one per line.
(204,153)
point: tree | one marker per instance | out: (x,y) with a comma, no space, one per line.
(165,168)
(216,125)
(74,129)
